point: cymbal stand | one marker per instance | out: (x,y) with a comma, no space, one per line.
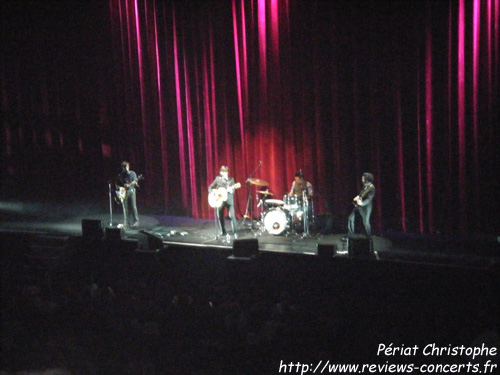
(305,204)
(258,225)
(313,214)
(249,209)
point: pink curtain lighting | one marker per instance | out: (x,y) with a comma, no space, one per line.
(406,91)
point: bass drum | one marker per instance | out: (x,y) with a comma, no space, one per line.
(275,221)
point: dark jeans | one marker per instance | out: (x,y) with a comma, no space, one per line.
(365,213)
(130,214)
(220,215)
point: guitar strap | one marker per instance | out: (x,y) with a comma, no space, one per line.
(225,183)
(365,190)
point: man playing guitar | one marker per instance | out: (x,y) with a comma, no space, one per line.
(127,182)
(221,192)
(363,205)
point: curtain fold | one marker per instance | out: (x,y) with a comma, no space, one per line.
(406,91)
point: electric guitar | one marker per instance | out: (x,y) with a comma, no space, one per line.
(121,192)
(359,198)
(218,196)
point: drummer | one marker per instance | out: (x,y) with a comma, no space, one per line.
(299,185)
(301,188)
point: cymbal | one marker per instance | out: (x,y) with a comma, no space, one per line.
(264,192)
(258,182)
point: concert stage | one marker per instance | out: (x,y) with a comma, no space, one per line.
(63,220)
(118,303)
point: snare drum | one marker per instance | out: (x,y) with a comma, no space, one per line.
(274,202)
(270,204)
(275,221)
(292,202)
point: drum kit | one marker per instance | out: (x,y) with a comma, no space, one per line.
(281,217)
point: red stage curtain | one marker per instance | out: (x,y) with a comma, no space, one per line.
(405,90)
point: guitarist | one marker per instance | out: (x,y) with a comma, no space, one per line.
(127,180)
(363,205)
(224,181)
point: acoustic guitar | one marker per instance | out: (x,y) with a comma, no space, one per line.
(218,196)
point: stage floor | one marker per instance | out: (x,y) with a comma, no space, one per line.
(65,220)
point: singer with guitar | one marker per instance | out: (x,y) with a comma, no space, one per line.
(220,196)
(363,205)
(127,183)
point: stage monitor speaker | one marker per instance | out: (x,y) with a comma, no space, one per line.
(360,247)
(245,248)
(149,241)
(92,229)
(326,250)
(114,234)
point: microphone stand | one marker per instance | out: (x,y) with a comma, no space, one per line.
(110,205)
(255,170)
